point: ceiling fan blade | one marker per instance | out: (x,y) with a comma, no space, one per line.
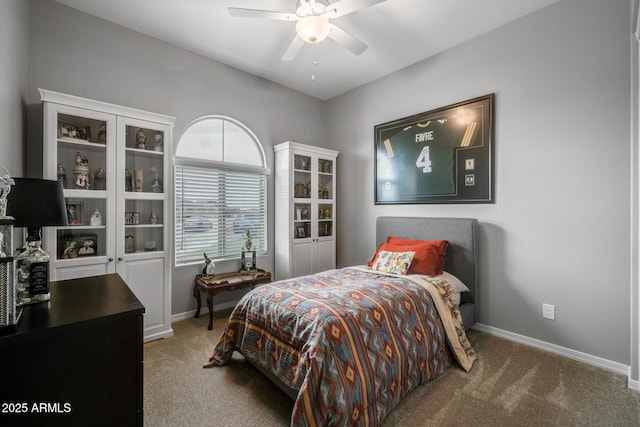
(264,14)
(293,49)
(344,7)
(345,39)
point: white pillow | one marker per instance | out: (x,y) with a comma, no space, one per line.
(393,262)
(455,283)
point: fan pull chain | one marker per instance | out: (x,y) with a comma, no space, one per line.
(314,62)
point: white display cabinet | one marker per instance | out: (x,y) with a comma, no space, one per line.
(114,165)
(305,223)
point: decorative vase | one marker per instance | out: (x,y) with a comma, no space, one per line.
(128,184)
(62,175)
(81,172)
(99,180)
(139,180)
(129,243)
(153,219)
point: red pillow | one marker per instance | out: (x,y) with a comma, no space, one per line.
(439,248)
(428,258)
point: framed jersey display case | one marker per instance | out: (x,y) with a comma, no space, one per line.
(439,156)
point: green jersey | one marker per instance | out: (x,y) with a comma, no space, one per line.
(423,155)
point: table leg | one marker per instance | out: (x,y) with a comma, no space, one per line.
(210,306)
(196,294)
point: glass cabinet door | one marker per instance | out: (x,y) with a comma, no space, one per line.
(81,152)
(86,234)
(82,155)
(325,197)
(302,181)
(142,187)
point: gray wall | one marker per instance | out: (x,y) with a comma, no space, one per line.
(14,36)
(74,53)
(559,232)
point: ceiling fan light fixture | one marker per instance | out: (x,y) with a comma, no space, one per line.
(313,29)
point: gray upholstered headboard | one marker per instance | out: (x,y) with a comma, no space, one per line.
(462,254)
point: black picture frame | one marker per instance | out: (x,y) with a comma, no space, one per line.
(75,212)
(73,131)
(444,155)
(132,218)
(73,246)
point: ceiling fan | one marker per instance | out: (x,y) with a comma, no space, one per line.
(312,22)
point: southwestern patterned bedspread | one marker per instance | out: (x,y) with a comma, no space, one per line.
(353,342)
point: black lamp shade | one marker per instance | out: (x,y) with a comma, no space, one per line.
(37,203)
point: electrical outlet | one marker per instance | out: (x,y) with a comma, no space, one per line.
(549,311)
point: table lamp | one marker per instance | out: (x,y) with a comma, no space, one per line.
(35,203)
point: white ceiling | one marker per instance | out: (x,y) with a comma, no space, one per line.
(398,33)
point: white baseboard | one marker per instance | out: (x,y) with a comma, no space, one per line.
(204,310)
(159,335)
(561,351)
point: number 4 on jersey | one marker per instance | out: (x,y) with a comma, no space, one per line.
(423,160)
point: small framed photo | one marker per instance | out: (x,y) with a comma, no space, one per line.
(470,164)
(132,218)
(300,233)
(75,213)
(70,130)
(79,246)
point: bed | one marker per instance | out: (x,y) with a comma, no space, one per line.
(348,344)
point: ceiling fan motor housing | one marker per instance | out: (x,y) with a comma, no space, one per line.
(309,8)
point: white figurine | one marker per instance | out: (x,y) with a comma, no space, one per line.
(96,218)
(141,139)
(158,141)
(209,266)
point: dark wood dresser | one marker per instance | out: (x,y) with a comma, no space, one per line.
(77,359)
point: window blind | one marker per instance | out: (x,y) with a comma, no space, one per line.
(214,208)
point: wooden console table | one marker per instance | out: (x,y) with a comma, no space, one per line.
(217,283)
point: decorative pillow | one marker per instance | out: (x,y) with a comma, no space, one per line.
(393,262)
(429,254)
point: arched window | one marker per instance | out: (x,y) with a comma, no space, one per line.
(221,190)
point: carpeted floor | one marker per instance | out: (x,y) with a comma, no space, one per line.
(510,385)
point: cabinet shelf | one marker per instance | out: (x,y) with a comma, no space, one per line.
(144,152)
(85,194)
(80,144)
(80,261)
(133,226)
(83,227)
(143,195)
(153,252)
